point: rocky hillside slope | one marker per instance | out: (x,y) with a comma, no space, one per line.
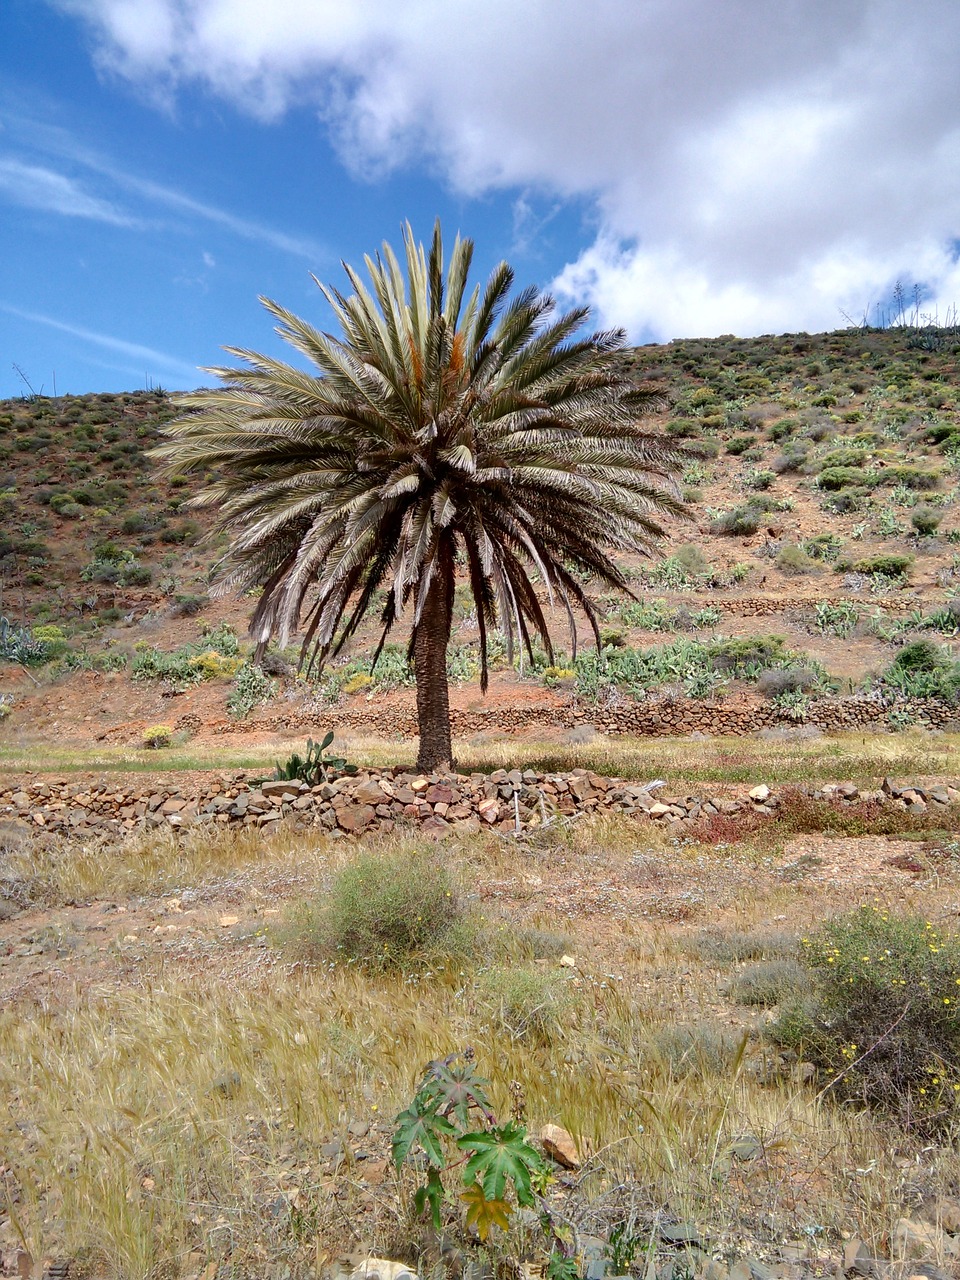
(821,558)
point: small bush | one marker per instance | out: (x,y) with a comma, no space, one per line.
(795,560)
(740,444)
(913,477)
(847,501)
(888,566)
(775,683)
(823,546)
(837,619)
(157,736)
(759,478)
(884,1023)
(252,686)
(357,683)
(835,478)
(926,521)
(921,655)
(216,666)
(612,637)
(386,913)
(740,522)
(791,460)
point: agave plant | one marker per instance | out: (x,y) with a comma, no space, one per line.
(443,431)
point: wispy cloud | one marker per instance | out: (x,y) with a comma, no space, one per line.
(63,194)
(243,227)
(41,188)
(133,350)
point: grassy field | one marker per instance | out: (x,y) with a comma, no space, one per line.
(224,1107)
(861,758)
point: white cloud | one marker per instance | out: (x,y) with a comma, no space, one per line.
(154,360)
(754,165)
(37,187)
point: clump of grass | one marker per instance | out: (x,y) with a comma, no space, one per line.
(528,1002)
(884,1022)
(387,912)
(768,982)
(722,947)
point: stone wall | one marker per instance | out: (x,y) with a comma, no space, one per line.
(381,800)
(656,716)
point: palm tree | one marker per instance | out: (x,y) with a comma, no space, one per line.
(439,431)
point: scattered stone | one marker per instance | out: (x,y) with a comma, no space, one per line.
(559,1145)
(947,1214)
(680,1233)
(922,1240)
(382,1269)
(761,793)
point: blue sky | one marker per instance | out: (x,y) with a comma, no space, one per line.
(685,168)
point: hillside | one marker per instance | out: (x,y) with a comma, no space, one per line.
(824,537)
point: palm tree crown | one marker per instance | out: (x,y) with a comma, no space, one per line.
(439,429)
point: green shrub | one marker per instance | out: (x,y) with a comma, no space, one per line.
(791,559)
(923,670)
(921,655)
(784,428)
(768,982)
(386,913)
(834,478)
(157,736)
(926,520)
(913,477)
(612,637)
(837,619)
(52,638)
(740,522)
(527,1003)
(648,615)
(883,1023)
(791,460)
(823,546)
(842,458)
(889,565)
(759,478)
(847,501)
(740,444)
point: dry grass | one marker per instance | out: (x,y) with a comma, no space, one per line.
(859,757)
(178,1118)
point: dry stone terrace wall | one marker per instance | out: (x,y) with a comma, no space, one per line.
(661,717)
(383,800)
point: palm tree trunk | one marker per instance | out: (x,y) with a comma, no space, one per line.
(430,670)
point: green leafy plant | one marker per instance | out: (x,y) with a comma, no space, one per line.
(474,1165)
(20,645)
(838,619)
(251,687)
(315,766)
